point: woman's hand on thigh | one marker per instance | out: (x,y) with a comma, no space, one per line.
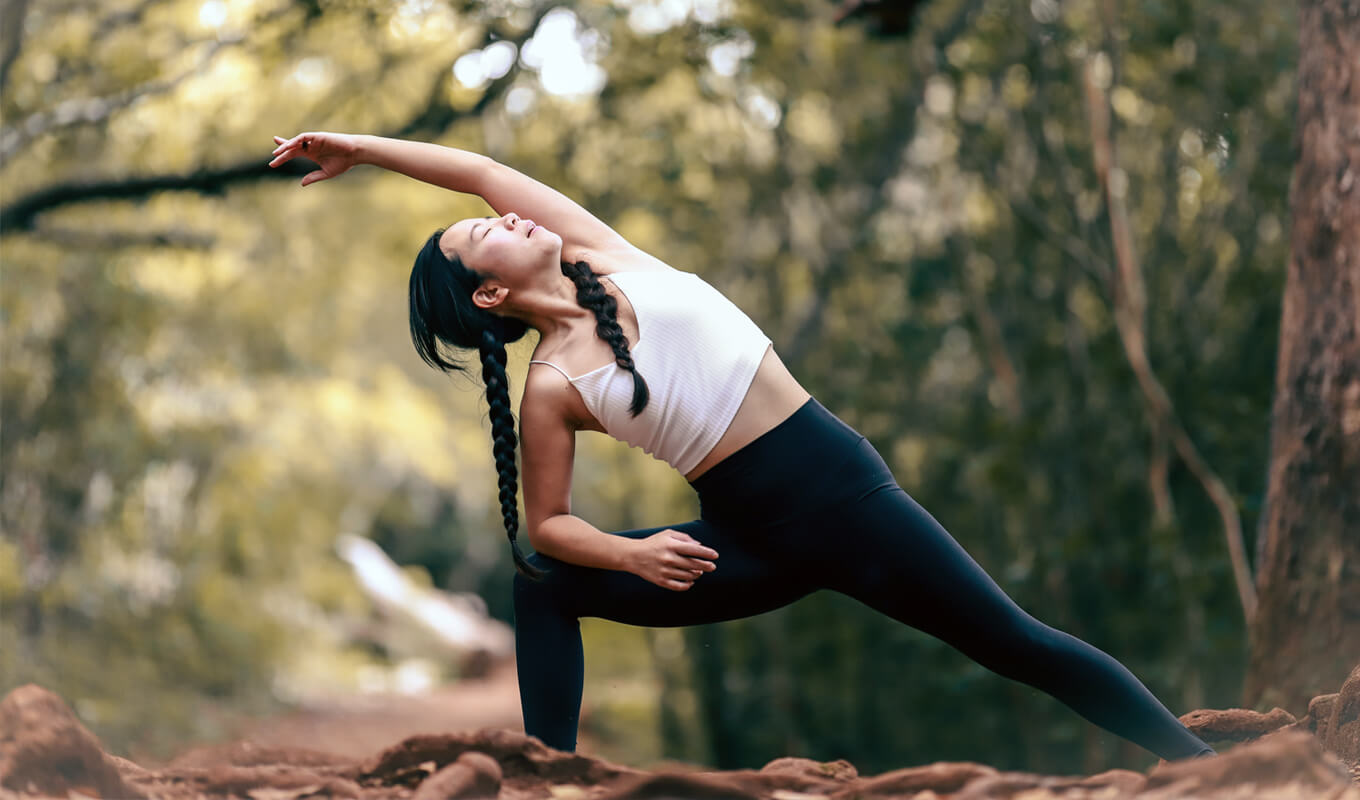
(671,559)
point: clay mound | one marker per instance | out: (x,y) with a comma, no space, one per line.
(522,759)
(45,751)
(1235,724)
(1341,733)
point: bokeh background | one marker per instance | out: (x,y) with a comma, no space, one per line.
(208,381)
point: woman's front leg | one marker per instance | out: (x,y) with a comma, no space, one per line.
(549,656)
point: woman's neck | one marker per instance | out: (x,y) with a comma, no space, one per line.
(552,310)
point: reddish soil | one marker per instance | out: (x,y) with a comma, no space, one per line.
(360,726)
(46,751)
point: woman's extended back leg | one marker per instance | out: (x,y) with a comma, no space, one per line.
(896,558)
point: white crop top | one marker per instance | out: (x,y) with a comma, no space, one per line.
(698,353)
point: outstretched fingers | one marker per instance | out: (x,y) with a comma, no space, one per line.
(296,141)
(288,148)
(286,154)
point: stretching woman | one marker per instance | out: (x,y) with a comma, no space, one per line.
(791,497)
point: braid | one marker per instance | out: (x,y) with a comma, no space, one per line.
(504,442)
(590,294)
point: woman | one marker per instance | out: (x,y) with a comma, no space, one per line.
(792,498)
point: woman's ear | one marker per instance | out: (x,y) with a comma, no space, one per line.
(489,295)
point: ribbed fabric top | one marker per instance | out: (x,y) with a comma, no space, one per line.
(698,353)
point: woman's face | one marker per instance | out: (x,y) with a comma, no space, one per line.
(513,250)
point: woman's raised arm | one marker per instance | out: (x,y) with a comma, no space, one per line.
(504,188)
(335,153)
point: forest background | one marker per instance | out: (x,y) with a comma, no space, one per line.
(208,380)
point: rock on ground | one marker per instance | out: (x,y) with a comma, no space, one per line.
(45,750)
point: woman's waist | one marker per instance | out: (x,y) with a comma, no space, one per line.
(810,460)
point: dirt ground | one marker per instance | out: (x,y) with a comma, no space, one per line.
(394,748)
(360,726)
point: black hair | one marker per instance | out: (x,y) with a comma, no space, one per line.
(590,294)
(442,312)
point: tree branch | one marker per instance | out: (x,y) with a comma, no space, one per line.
(95,109)
(21,214)
(439,114)
(1130,321)
(436,116)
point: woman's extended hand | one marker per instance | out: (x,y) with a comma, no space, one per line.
(333,152)
(672,559)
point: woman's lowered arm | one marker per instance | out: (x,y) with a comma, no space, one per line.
(670,559)
(547,448)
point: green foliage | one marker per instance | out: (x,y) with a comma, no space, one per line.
(203,388)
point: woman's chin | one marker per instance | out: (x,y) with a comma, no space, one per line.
(546,239)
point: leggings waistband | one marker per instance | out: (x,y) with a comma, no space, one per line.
(796,466)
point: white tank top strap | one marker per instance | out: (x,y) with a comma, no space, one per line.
(554,366)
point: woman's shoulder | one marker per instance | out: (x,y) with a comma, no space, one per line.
(550,399)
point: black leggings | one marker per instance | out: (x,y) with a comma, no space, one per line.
(811,505)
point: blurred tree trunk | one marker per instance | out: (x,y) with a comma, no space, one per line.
(724,740)
(671,724)
(1306,636)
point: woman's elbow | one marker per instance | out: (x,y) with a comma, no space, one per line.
(539,533)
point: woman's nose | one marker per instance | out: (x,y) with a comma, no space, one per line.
(512,218)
